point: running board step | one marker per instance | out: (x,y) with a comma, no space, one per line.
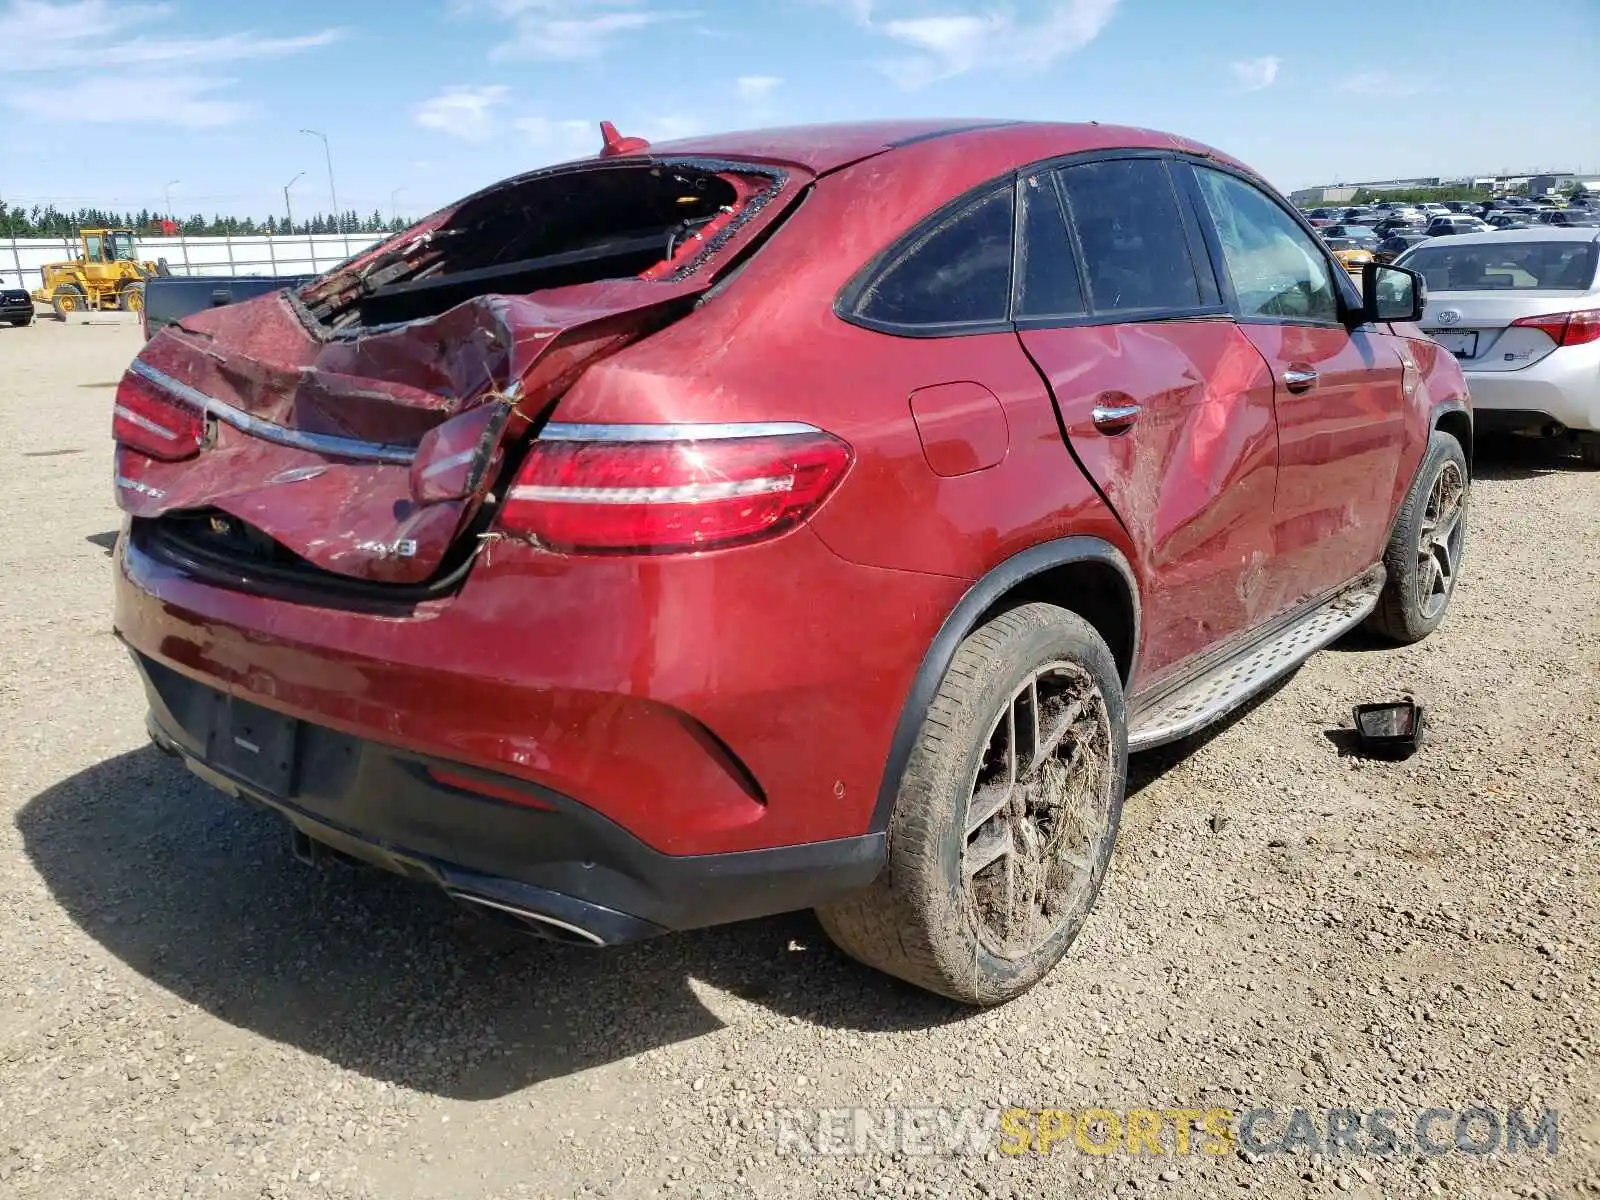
(1191,706)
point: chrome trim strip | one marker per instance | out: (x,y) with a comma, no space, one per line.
(1120,412)
(527,914)
(595,432)
(445,464)
(149,426)
(318,443)
(144,489)
(688,493)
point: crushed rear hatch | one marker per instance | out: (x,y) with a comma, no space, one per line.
(360,425)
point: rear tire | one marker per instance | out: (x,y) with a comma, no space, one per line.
(1425,550)
(999,840)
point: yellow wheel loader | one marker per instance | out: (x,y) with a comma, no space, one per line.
(106,275)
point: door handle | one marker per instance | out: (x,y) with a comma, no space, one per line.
(1117,418)
(1300,379)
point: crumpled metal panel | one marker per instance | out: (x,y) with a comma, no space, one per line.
(410,389)
(414,386)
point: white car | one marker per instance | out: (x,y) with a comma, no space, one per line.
(1520,310)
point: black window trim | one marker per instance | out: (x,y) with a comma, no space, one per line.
(1211,302)
(846,305)
(1018,229)
(1349,297)
(1214,302)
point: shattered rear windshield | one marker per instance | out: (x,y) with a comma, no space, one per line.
(550,229)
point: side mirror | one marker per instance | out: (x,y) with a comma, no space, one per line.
(1390,293)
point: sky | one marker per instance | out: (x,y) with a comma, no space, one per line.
(119,103)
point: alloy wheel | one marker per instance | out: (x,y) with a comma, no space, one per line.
(1039,812)
(1439,545)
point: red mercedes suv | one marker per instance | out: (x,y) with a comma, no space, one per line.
(812,517)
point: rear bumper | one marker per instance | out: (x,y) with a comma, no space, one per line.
(733,701)
(1564,387)
(541,854)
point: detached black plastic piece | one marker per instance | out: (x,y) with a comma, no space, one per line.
(1391,730)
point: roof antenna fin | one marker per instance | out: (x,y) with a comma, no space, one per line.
(616,144)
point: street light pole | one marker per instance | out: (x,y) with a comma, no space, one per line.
(287,207)
(338,219)
(166,195)
(394,210)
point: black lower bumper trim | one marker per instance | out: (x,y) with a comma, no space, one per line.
(558,860)
(1514,420)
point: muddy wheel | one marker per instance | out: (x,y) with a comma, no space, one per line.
(68,297)
(1006,816)
(131,297)
(1425,550)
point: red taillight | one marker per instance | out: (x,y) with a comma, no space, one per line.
(582,488)
(1566,329)
(148,420)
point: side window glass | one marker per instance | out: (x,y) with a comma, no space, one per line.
(1047,273)
(955,272)
(1276,269)
(91,249)
(1135,255)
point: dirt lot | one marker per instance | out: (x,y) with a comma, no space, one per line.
(186,1010)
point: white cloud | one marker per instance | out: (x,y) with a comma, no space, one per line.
(463,112)
(1381,85)
(1253,74)
(120,74)
(170,99)
(669,127)
(49,37)
(566,29)
(757,87)
(953,43)
(560,140)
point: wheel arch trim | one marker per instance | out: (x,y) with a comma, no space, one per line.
(1450,407)
(964,617)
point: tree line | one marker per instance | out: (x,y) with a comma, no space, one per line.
(49,221)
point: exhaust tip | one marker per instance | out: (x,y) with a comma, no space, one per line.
(541,925)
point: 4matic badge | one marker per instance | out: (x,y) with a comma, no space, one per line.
(402,548)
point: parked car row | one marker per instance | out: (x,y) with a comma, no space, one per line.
(1383,232)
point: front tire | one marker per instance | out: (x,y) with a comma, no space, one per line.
(1006,816)
(1425,550)
(68,298)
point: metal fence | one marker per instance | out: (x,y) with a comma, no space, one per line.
(22,260)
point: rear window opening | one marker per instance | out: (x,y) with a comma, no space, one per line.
(1510,266)
(547,230)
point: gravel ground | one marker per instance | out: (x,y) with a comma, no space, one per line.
(186,1010)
